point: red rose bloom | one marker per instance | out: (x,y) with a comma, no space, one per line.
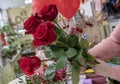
(31,24)
(45,34)
(49,12)
(60,75)
(29,64)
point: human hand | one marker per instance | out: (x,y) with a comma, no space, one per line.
(102,68)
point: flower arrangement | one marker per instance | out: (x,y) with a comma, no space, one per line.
(65,52)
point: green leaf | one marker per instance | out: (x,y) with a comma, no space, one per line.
(75,74)
(59,32)
(53,47)
(62,61)
(71,52)
(90,58)
(59,53)
(28,81)
(50,72)
(75,63)
(84,43)
(48,54)
(80,58)
(72,40)
(82,61)
(62,39)
(36,79)
(115,60)
(56,51)
(6,28)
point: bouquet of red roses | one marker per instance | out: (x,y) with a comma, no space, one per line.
(67,52)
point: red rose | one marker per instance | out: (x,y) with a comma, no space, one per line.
(31,24)
(45,34)
(49,12)
(60,74)
(29,64)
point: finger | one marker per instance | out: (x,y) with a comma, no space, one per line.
(100,61)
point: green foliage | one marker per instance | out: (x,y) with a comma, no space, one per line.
(28,81)
(7,53)
(33,80)
(50,72)
(62,61)
(91,59)
(17,70)
(68,47)
(11,40)
(6,28)
(71,52)
(81,58)
(75,74)
(59,32)
(36,79)
(61,39)
(12,49)
(115,60)
(72,40)
(48,54)
(56,51)
(84,43)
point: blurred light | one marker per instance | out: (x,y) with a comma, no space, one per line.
(28,1)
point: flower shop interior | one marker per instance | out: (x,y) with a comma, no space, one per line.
(51,41)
